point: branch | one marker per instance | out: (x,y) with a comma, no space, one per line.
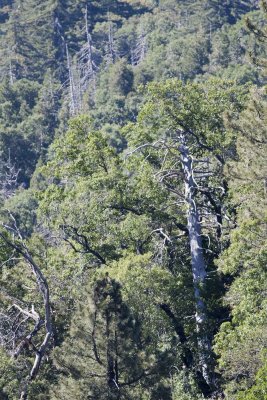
(142,146)
(134,380)
(164,235)
(81,240)
(122,208)
(33,315)
(187,356)
(44,291)
(182,227)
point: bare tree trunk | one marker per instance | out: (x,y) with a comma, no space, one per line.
(90,75)
(112,367)
(197,261)
(138,53)
(112,56)
(71,84)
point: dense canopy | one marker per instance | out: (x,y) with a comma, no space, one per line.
(133,200)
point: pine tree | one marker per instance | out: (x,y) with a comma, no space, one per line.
(241,348)
(102,357)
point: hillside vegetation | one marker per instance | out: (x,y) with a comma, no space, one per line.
(133,200)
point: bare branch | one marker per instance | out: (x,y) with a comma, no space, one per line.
(42,284)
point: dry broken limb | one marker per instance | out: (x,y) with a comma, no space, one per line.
(21,248)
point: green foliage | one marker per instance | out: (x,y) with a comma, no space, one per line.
(9,381)
(106,222)
(184,387)
(145,286)
(229,52)
(239,345)
(104,356)
(258,390)
(196,109)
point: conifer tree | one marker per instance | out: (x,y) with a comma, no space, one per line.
(242,349)
(103,357)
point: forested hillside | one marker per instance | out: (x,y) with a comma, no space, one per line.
(133,190)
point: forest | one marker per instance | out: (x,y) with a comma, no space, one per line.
(133,194)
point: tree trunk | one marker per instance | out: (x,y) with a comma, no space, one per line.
(197,261)
(113,388)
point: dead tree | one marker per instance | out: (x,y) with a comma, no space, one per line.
(74,86)
(82,71)
(91,65)
(8,178)
(111,51)
(22,314)
(86,64)
(111,46)
(138,53)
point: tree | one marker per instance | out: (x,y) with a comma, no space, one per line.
(26,340)
(124,226)
(104,355)
(245,259)
(181,126)
(155,216)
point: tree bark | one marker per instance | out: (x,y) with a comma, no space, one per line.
(197,262)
